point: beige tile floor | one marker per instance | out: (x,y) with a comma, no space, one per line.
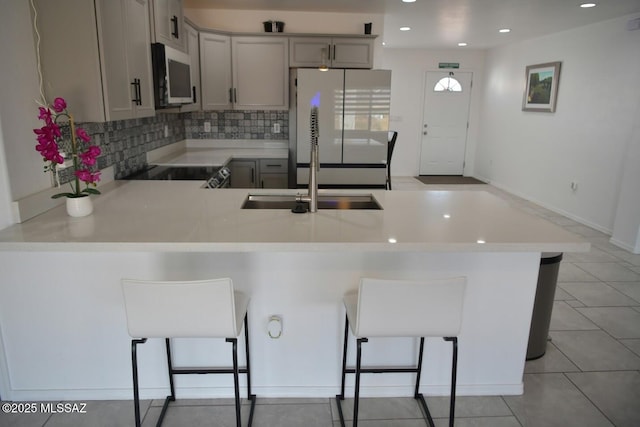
(590,375)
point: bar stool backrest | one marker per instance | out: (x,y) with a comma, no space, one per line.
(410,308)
(202,308)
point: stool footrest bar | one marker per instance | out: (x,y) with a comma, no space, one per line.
(182,371)
(381,370)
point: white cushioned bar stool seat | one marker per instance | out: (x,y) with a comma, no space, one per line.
(402,308)
(187,309)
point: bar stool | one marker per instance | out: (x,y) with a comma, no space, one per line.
(400,308)
(187,309)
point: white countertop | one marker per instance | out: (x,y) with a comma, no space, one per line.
(180,216)
(220,156)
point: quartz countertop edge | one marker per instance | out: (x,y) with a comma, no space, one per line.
(230,247)
(218,157)
(181,216)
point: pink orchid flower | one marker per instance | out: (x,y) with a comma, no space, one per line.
(59,105)
(83,135)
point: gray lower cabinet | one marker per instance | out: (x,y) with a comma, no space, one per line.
(243,174)
(259,173)
(273,173)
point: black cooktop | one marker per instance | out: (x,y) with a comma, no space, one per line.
(167,173)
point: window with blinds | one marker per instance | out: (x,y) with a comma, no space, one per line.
(363,109)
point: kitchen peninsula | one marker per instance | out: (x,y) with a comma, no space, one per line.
(62,319)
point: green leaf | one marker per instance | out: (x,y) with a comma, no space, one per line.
(91,191)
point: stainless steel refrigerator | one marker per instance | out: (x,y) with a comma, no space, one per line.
(353,124)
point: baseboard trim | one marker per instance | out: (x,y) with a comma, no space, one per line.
(552,208)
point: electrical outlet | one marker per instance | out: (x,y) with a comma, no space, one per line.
(207,126)
(276,128)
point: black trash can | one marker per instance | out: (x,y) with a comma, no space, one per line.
(543,305)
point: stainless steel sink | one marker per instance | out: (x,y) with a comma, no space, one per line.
(325,201)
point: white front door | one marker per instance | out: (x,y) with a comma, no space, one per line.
(445,122)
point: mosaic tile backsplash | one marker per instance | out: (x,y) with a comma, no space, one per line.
(124,143)
(237,125)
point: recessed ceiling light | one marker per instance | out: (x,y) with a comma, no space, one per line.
(405,28)
(463,44)
(408,1)
(587,5)
(504,30)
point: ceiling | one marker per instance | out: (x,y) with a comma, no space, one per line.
(445,23)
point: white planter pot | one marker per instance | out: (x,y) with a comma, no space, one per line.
(79,206)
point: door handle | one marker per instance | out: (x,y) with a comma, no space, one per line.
(137,92)
(175,33)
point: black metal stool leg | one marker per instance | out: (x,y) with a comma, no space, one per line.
(344,356)
(171,397)
(134,369)
(454,373)
(167,343)
(251,397)
(236,381)
(356,401)
(417,395)
(340,396)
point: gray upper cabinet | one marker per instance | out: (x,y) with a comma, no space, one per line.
(260,73)
(215,71)
(111,78)
(335,52)
(244,73)
(193,49)
(168,23)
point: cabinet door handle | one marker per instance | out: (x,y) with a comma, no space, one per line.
(175,33)
(235,95)
(137,93)
(193,88)
(334,52)
(230,95)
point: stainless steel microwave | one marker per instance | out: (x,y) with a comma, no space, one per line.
(171,77)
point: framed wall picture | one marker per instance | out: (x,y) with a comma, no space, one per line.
(541,90)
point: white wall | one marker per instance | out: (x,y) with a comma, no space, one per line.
(5,193)
(537,155)
(18,108)
(407,100)
(626,230)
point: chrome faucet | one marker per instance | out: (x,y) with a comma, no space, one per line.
(314,166)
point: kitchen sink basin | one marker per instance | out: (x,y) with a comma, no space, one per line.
(325,201)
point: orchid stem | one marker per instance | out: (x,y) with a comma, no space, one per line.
(74,153)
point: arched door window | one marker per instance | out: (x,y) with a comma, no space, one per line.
(448,84)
